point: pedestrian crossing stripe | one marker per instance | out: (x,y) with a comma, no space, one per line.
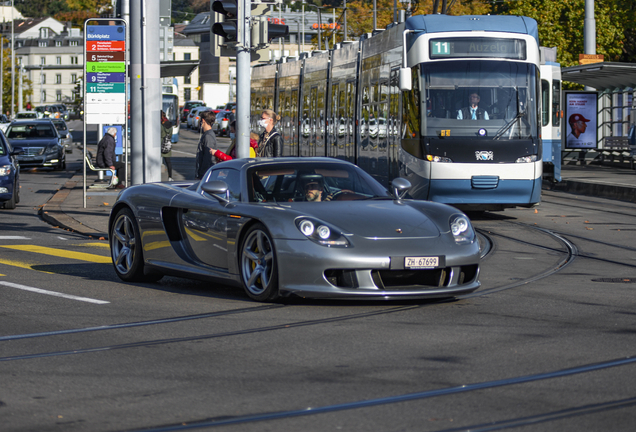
(61,253)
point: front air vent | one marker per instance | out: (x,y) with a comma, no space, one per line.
(484,182)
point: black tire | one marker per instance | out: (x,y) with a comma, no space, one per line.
(126,250)
(258,266)
(11,204)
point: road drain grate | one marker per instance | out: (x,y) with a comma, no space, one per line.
(615,280)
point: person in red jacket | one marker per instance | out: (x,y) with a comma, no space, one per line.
(224,157)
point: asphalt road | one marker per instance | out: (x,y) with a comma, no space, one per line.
(544,345)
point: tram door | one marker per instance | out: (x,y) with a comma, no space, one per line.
(393,125)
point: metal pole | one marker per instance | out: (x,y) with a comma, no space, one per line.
(375,14)
(346,34)
(303,25)
(20,70)
(589,36)
(41,83)
(319,29)
(333,32)
(243,82)
(12,66)
(395,17)
(2,66)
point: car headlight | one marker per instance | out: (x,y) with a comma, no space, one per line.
(527,159)
(5,170)
(461,229)
(51,150)
(432,158)
(320,233)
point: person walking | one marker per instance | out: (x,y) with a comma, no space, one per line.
(106,156)
(207,142)
(270,143)
(166,143)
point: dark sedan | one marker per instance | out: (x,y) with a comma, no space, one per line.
(40,141)
(9,174)
(309,227)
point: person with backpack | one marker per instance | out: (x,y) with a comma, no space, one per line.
(166,143)
(270,142)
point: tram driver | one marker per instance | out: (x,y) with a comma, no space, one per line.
(472,111)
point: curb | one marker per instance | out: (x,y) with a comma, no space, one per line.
(599,190)
(52,213)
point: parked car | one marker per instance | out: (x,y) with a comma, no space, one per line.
(9,174)
(255,224)
(40,141)
(188,106)
(65,134)
(221,124)
(194,115)
(27,115)
(196,121)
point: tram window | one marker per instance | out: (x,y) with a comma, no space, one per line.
(365,95)
(384,91)
(545,103)
(556,103)
(411,114)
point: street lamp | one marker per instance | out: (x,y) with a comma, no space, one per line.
(297,34)
(319,24)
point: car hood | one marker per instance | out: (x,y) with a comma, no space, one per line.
(375,219)
(33,142)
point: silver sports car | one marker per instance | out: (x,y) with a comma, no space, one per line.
(309,227)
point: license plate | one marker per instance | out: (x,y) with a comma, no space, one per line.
(421,262)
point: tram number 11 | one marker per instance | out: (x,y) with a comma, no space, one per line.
(441,48)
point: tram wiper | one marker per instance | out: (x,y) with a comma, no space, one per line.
(521,111)
(508,125)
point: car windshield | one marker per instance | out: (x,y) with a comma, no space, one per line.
(30,115)
(312,182)
(61,126)
(30,131)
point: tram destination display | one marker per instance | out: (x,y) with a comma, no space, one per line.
(476,47)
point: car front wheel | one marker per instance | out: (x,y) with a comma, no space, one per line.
(125,249)
(259,273)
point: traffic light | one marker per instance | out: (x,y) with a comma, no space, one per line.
(226,21)
(275,31)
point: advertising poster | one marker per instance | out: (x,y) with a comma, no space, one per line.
(581,120)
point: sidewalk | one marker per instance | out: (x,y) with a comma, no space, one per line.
(66,208)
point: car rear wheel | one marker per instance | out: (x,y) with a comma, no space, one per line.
(125,249)
(258,267)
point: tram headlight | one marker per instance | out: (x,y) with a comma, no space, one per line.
(321,233)
(461,229)
(527,159)
(433,158)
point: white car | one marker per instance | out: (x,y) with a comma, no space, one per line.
(194,112)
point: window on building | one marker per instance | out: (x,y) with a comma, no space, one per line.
(43,43)
(58,95)
(42,60)
(72,43)
(74,60)
(43,96)
(43,78)
(187,94)
(58,78)
(58,60)
(73,78)
(58,43)
(19,60)
(187,56)
(187,80)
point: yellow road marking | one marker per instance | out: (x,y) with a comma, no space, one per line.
(156,245)
(61,253)
(97,245)
(22,265)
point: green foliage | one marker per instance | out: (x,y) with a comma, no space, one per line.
(27,85)
(561,25)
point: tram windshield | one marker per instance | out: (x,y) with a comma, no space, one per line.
(478,98)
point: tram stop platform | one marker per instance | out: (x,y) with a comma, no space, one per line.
(66,208)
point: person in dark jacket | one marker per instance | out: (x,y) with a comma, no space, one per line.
(204,158)
(270,143)
(166,134)
(106,156)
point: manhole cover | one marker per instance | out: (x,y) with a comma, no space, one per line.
(615,280)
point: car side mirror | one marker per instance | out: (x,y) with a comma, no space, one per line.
(218,189)
(400,186)
(17,151)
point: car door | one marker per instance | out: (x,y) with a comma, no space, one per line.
(205,222)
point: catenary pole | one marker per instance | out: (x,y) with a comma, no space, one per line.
(243,81)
